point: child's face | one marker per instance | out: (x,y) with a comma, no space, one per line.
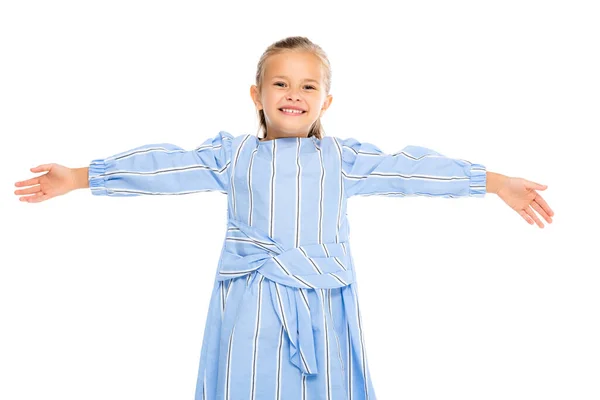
(294,79)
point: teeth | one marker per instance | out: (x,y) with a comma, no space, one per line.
(292,111)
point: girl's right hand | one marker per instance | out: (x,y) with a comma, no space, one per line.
(57,181)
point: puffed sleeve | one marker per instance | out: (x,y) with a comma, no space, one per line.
(164,169)
(413,171)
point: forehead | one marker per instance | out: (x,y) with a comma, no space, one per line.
(294,66)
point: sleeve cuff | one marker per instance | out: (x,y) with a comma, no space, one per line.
(96,178)
(478,182)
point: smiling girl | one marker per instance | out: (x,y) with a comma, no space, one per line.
(284,319)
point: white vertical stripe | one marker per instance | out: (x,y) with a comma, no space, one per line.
(255,342)
(303,387)
(250,193)
(350,364)
(231,180)
(362,344)
(326,347)
(335,333)
(228,367)
(279,367)
(272,192)
(298,203)
(321,198)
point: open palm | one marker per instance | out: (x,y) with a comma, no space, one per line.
(520,194)
(56,182)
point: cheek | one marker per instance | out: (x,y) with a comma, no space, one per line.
(316,106)
(270,100)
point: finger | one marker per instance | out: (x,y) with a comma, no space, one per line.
(526,217)
(28,198)
(35,198)
(28,182)
(29,190)
(533,185)
(530,212)
(42,167)
(39,197)
(540,211)
(539,199)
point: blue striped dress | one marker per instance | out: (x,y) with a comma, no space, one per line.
(284,320)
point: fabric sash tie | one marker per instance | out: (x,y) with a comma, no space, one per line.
(290,272)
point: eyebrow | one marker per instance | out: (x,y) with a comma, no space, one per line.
(285,77)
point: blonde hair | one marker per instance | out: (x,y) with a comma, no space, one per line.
(296,44)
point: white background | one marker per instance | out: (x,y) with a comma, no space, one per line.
(106,298)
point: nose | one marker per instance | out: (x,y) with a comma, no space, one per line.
(293,95)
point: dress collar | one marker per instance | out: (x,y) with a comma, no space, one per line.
(306,144)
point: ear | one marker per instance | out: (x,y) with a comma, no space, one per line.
(326,104)
(255,97)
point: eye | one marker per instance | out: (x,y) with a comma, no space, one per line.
(309,86)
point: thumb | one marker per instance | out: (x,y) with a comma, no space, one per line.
(537,186)
(42,167)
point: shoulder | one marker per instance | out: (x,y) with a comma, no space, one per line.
(348,146)
(344,142)
(233,141)
(223,142)
(229,136)
(224,135)
(338,142)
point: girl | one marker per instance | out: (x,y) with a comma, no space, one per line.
(284,319)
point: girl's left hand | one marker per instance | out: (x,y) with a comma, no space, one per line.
(520,194)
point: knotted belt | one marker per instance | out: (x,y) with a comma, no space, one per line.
(290,272)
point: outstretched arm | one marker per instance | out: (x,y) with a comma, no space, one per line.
(417,170)
(163,169)
(153,169)
(413,171)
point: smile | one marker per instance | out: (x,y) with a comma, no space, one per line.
(291,112)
